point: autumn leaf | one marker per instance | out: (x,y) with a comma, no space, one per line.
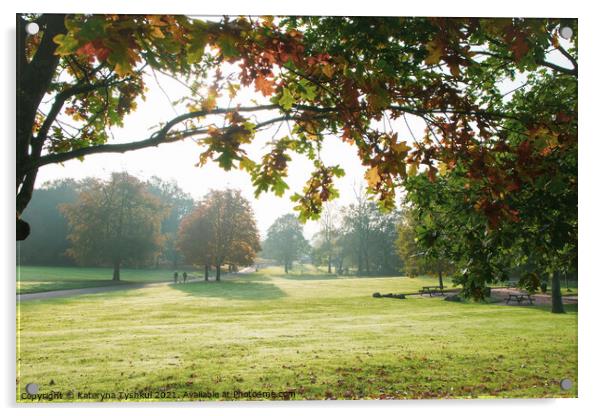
(435,50)
(400,148)
(519,46)
(328,70)
(67,44)
(372,177)
(264,85)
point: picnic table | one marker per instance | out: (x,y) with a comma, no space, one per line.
(519,298)
(432,290)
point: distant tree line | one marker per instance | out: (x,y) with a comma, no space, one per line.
(126,222)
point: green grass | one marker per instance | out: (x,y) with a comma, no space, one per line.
(34,279)
(306,333)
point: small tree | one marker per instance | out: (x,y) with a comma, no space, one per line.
(114,222)
(285,241)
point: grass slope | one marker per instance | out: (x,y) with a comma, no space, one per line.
(310,336)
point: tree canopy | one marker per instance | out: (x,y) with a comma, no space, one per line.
(285,241)
(220,230)
(115,222)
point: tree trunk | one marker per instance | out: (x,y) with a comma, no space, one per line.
(218,272)
(33,80)
(206,272)
(116,269)
(440,279)
(285,266)
(329,264)
(557,306)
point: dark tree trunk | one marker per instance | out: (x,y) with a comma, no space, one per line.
(33,80)
(285,266)
(440,280)
(218,271)
(206,272)
(557,306)
(116,269)
(329,264)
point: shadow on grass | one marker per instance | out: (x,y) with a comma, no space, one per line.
(324,276)
(234,289)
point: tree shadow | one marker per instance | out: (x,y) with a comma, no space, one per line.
(232,289)
(324,276)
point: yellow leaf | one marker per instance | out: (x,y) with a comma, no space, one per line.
(413,170)
(442,169)
(435,50)
(328,70)
(400,148)
(157,33)
(372,177)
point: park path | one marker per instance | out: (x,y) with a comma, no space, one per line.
(102,289)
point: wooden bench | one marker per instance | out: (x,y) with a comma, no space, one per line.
(432,290)
(519,298)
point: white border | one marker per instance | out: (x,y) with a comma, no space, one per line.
(589,178)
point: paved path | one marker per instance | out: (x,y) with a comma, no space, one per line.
(111,288)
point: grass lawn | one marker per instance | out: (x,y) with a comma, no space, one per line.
(309,335)
(33,279)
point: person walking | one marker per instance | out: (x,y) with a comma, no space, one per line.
(175,277)
(184,276)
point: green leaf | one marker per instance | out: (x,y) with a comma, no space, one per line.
(287,100)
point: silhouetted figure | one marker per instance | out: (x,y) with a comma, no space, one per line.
(175,277)
(184,276)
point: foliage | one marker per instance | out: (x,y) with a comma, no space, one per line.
(179,204)
(115,222)
(220,230)
(285,241)
(367,238)
(48,242)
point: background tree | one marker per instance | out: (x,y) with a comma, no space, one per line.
(48,242)
(115,222)
(220,231)
(416,258)
(369,235)
(285,241)
(194,237)
(326,238)
(179,204)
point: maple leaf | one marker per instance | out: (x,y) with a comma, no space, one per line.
(264,85)
(519,47)
(435,50)
(328,70)
(372,177)
(287,100)
(400,148)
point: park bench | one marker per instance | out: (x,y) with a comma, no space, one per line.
(519,298)
(432,290)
